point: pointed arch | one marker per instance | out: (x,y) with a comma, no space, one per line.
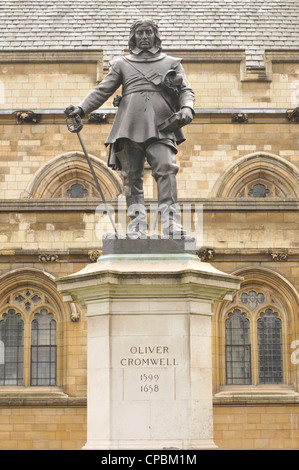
(279,177)
(56,177)
(31,292)
(282,291)
(278,294)
(36,282)
(285,293)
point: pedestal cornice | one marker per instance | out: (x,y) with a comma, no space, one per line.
(169,282)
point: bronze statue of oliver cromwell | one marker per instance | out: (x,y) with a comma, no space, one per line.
(154,89)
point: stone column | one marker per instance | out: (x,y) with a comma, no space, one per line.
(149,349)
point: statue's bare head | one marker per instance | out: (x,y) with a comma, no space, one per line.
(144,33)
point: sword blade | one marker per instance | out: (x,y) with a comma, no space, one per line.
(96,181)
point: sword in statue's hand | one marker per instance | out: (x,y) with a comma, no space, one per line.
(75,124)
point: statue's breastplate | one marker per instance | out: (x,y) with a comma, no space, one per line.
(144,75)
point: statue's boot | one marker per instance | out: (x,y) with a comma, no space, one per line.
(161,158)
(132,168)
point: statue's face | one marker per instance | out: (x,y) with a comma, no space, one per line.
(145,36)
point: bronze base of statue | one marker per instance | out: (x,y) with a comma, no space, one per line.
(148,245)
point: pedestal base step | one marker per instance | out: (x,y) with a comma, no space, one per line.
(148,245)
(197,444)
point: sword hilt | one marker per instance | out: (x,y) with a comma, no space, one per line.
(73,121)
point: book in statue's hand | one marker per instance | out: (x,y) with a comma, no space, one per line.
(171,124)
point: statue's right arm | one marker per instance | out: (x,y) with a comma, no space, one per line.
(102,91)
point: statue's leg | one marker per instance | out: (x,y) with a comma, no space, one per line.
(161,158)
(131,157)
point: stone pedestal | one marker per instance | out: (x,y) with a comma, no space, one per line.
(149,349)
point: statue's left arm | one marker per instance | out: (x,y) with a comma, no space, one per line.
(186,97)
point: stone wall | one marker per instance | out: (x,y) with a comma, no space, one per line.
(46,233)
(259,427)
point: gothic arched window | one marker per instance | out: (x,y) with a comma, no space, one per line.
(266,328)
(255,332)
(32,316)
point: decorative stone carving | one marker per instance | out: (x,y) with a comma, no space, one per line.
(239,117)
(279,255)
(206,254)
(27,299)
(75,313)
(27,116)
(252,299)
(48,258)
(293,115)
(97,118)
(94,255)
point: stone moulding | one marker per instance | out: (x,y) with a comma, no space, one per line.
(47,178)
(43,281)
(55,399)
(133,276)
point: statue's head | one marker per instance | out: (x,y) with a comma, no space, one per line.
(137,26)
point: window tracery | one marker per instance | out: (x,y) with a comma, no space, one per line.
(31,318)
(68,176)
(270,304)
(26,300)
(259,175)
(78,188)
